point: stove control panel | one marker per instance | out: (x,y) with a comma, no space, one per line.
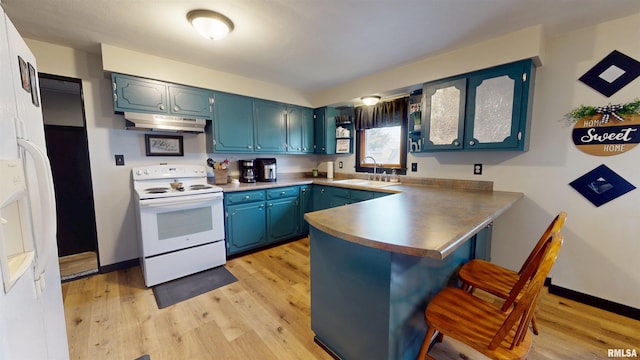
(168,171)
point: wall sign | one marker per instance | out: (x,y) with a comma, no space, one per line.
(612,73)
(606,130)
(601,185)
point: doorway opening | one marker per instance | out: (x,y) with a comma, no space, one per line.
(68,150)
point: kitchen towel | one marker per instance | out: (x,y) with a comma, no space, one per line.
(329,169)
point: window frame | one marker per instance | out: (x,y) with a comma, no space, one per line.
(400,169)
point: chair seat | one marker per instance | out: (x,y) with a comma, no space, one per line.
(489,277)
(452,307)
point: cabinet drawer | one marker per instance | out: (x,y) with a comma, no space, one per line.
(244,197)
(282,192)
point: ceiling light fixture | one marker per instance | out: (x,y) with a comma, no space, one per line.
(210,24)
(370,100)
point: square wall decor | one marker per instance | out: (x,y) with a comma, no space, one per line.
(612,73)
(601,185)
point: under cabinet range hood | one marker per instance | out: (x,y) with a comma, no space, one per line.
(166,123)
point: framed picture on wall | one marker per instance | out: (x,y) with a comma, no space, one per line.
(24,75)
(343,146)
(33,80)
(163,145)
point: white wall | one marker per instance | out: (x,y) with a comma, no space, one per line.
(601,246)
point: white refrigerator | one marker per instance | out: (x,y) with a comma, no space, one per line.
(32,323)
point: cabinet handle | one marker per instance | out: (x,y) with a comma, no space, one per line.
(471,142)
(114,86)
(456,143)
(283,193)
(246,197)
(322,190)
(258,147)
(270,205)
(261,206)
(248,146)
(115,97)
(175,108)
(161,107)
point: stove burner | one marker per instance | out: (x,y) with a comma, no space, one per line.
(157,190)
(199,187)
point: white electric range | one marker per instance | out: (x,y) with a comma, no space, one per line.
(181,228)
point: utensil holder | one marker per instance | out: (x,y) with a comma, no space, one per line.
(220,176)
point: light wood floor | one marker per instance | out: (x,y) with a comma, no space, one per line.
(78,264)
(266,315)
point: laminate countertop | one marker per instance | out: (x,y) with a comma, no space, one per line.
(419,220)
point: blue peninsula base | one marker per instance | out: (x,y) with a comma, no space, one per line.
(368,303)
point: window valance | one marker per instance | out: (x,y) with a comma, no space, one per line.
(383,114)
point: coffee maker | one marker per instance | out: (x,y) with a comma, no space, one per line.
(266,169)
(247,171)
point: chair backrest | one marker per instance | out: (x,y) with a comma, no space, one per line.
(555,226)
(523,310)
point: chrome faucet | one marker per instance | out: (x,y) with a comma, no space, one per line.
(375,165)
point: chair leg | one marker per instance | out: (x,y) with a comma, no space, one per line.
(426,343)
(534,324)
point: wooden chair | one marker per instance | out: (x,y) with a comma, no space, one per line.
(484,326)
(501,282)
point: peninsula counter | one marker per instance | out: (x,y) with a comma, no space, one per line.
(376,264)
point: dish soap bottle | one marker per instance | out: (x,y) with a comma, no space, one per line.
(394,176)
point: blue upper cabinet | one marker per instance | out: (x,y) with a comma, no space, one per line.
(325,130)
(232,124)
(484,110)
(190,101)
(299,130)
(136,94)
(269,126)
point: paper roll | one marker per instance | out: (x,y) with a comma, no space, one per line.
(329,169)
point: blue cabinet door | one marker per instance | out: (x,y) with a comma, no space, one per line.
(325,130)
(299,130)
(245,226)
(361,195)
(270,128)
(307,130)
(444,114)
(232,124)
(496,112)
(294,130)
(190,101)
(138,94)
(283,217)
(306,205)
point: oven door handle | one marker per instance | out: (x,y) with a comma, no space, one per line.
(182,200)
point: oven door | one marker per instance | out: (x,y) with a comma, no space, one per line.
(180,222)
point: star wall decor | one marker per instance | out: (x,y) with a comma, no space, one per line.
(601,185)
(612,73)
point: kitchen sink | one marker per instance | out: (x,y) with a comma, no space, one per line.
(364,182)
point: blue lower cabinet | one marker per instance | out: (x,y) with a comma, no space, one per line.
(256,218)
(245,226)
(306,205)
(283,219)
(361,195)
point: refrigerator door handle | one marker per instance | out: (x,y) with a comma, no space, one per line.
(47,236)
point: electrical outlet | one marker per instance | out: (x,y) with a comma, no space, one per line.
(119,160)
(414,167)
(477,169)
(340,164)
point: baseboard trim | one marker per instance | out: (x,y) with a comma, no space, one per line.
(119,266)
(594,301)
